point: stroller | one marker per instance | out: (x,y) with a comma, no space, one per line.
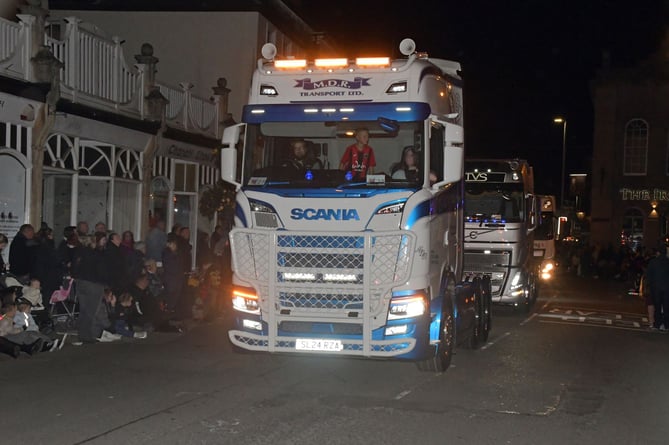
(22,289)
(64,305)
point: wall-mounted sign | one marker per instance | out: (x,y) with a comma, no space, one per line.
(187,152)
(644,194)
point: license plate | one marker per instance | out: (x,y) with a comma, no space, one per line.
(318,344)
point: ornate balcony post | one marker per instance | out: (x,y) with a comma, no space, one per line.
(34,16)
(221,93)
(153,102)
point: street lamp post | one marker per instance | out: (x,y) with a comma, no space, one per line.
(560,120)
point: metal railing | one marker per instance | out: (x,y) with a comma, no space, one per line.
(95,73)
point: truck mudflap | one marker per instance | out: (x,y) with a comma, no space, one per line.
(347,347)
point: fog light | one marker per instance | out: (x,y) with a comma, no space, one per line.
(251,324)
(397,330)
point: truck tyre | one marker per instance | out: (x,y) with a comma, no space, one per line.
(482,324)
(445,349)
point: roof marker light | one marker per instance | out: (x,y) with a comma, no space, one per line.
(328,110)
(311,110)
(372,61)
(290,63)
(346,110)
(257,111)
(331,63)
(403,109)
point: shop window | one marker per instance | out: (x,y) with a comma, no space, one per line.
(635,147)
(185,177)
(632,230)
(158,204)
(126,197)
(93,200)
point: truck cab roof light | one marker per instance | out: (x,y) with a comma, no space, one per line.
(399,87)
(290,63)
(372,61)
(331,63)
(268,90)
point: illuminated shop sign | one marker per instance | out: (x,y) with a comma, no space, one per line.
(644,194)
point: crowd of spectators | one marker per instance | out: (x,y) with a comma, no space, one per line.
(622,263)
(123,287)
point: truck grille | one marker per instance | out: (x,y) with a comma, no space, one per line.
(494,264)
(321,273)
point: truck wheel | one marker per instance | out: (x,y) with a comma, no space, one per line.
(481,327)
(444,354)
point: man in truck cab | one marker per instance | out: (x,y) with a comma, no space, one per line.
(301,158)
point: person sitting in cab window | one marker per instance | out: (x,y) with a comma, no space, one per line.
(359,157)
(407,167)
(301,157)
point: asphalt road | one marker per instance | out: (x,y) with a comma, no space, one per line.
(581,368)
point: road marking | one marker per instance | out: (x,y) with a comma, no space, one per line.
(490,343)
(528,319)
(607,326)
(402,394)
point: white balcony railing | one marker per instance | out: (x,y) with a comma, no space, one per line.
(95,73)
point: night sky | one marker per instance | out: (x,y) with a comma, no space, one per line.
(524,61)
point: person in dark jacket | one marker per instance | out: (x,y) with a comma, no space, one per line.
(22,253)
(173,275)
(115,264)
(68,249)
(48,268)
(657,280)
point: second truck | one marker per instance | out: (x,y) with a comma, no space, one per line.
(500,219)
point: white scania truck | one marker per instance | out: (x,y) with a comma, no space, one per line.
(328,261)
(500,219)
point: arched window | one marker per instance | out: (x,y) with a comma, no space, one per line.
(632,230)
(635,147)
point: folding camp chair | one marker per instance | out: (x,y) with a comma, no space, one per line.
(64,308)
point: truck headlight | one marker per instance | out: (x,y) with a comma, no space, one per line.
(407,307)
(516,281)
(245,301)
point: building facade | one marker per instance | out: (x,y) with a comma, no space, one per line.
(630,171)
(86,135)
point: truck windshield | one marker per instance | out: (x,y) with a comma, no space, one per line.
(486,202)
(310,154)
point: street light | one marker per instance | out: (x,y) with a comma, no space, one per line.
(560,120)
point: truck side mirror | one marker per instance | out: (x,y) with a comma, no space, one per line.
(229,154)
(454,154)
(532,212)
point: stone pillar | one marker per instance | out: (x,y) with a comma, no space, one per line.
(148,63)
(153,108)
(155,104)
(34,9)
(221,93)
